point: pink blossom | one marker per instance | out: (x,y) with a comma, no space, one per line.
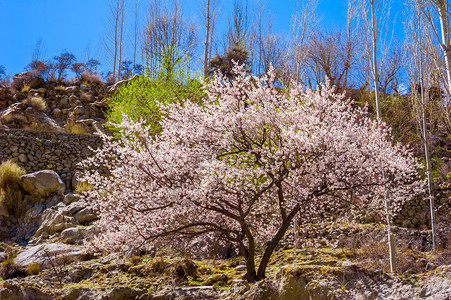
(241,166)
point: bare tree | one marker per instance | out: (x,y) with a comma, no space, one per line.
(330,55)
(304,22)
(135,36)
(272,50)
(391,75)
(114,39)
(37,54)
(209,13)
(2,74)
(238,27)
(63,62)
(352,31)
(168,42)
(423,77)
(437,13)
(375,15)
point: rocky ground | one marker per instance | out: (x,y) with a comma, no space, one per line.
(43,257)
(71,107)
(313,273)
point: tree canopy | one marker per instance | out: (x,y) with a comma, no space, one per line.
(240,166)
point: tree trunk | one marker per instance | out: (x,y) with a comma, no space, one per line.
(374,55)
(273,243)
(207,40)
(116,21)
(428,164)
(391,240)
(249,254)
(120,40)
(444,25)
(136,36)
(430,189)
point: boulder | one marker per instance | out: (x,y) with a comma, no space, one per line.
(69,198)
(118,292)
(46,254)
(77,235)
(18,291)
(35,211)
(85,215)
(77,127)
(72,89)
(112,89)
(43,183)
(21,116)
(54,221)
(72,208)
(27,78)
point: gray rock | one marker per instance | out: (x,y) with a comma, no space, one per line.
(35,211)
(54,221)
(2,255)
(73,208)
(23,158)
(240,268)
(76,127)
(112,89)
(69,198)
(77,235)
(85,215)
(79,110)
(46,254)
(43,183)
(16,117)
(71,89)
(11,290)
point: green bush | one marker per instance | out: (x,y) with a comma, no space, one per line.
(11,187)
(142,98)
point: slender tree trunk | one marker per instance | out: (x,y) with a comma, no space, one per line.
(136,36)
(444,25)
(374,39)
(116,21)
(374,56)
(120,40)
(428,163)
(430,189)
(391,240)
(207,40)
(296,232)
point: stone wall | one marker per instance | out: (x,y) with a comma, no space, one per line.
(40,150)
(416,213)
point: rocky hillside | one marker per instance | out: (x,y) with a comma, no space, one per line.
(71,107)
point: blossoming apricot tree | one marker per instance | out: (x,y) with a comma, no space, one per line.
(241,166)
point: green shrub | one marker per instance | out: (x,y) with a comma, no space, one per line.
(142,97)
(11,187)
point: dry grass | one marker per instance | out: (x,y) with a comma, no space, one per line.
(33,269)
(11,187)
(90,78)
(8,269)
(25,88)
(37,103)
(83,187)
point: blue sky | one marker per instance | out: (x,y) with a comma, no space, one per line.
(79,25)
